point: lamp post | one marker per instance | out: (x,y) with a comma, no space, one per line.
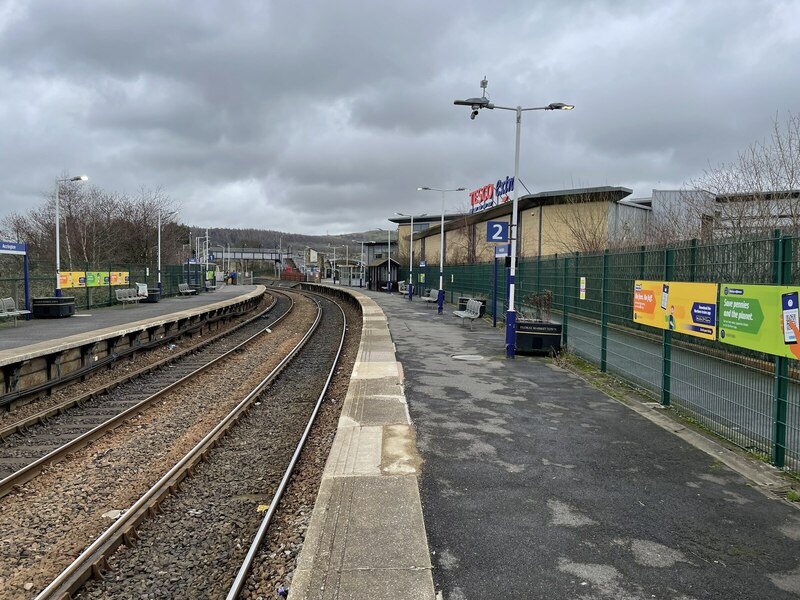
(477,104)
(170,214)
(334,263)
(440,297)
(410,255)
(361,277)
(58,230)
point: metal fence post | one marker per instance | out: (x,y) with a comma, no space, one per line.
(782,271)
(666,340)
(564,303)
(693,260)
(604,314)
(577,279)
(642,250)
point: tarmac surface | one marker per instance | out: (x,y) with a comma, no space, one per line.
(536,485)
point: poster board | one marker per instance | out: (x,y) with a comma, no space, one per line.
(760,317)
(688,308)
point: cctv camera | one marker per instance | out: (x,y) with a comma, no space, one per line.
(473,115)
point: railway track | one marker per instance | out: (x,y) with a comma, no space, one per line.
(39,440)
(203,524)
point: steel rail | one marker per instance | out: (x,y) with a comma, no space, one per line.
(57,409)
(33,469)
(244,570)
(123,531)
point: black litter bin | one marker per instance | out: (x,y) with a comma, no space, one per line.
(153,295)
(538,336)
(54,307)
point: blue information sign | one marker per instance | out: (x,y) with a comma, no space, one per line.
(12,248)
(502,251)
(497,232)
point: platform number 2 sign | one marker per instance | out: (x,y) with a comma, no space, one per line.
(497,232)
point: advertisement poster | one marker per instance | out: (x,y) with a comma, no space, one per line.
(760,317)
(583,288)
(76,279)
(72,279)
(96,278)
(688,308)
(119,277)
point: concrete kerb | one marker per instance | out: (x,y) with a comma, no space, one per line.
(367,538)
(35,350)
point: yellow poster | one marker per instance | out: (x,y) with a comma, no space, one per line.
(119,277)
(688,308)
(72,279)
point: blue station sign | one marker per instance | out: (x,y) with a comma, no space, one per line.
(12,248)
(497,232)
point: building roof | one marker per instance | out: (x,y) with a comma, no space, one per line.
(611,194)
(426,219)
(379,262)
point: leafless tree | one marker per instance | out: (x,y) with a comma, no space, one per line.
(461,240)
(584,220)
(757,192)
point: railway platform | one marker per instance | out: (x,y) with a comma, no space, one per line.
(37,351)
(531,483)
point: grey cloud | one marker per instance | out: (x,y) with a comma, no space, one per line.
(319,116)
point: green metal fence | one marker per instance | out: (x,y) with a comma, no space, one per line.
(747,397)
(41,282)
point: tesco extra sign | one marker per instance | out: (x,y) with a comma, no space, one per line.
(491,195)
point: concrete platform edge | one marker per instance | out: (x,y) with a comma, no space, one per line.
(367,538)
(36,350)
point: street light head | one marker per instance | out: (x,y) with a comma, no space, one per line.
(560,106)
(80,178)
(461,189)
(475,103)
(423,189)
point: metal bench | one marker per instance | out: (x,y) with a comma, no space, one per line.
(472,312)
(127,296)
(432,297)
(185,290)
(9,310)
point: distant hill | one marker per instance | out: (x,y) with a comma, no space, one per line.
(296,242)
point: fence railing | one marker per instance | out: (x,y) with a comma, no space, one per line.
(747,397)
(41,282)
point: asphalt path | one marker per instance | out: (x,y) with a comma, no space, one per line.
(536,485)
(733,399)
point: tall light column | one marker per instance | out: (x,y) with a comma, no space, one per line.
(477,104)
(410,255)
(58,229)
(361,280)
(170,214)
(440,297)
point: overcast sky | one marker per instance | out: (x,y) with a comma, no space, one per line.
(325,116)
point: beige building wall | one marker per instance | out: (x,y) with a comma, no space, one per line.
(565,228)
(403,233)
(432,248)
